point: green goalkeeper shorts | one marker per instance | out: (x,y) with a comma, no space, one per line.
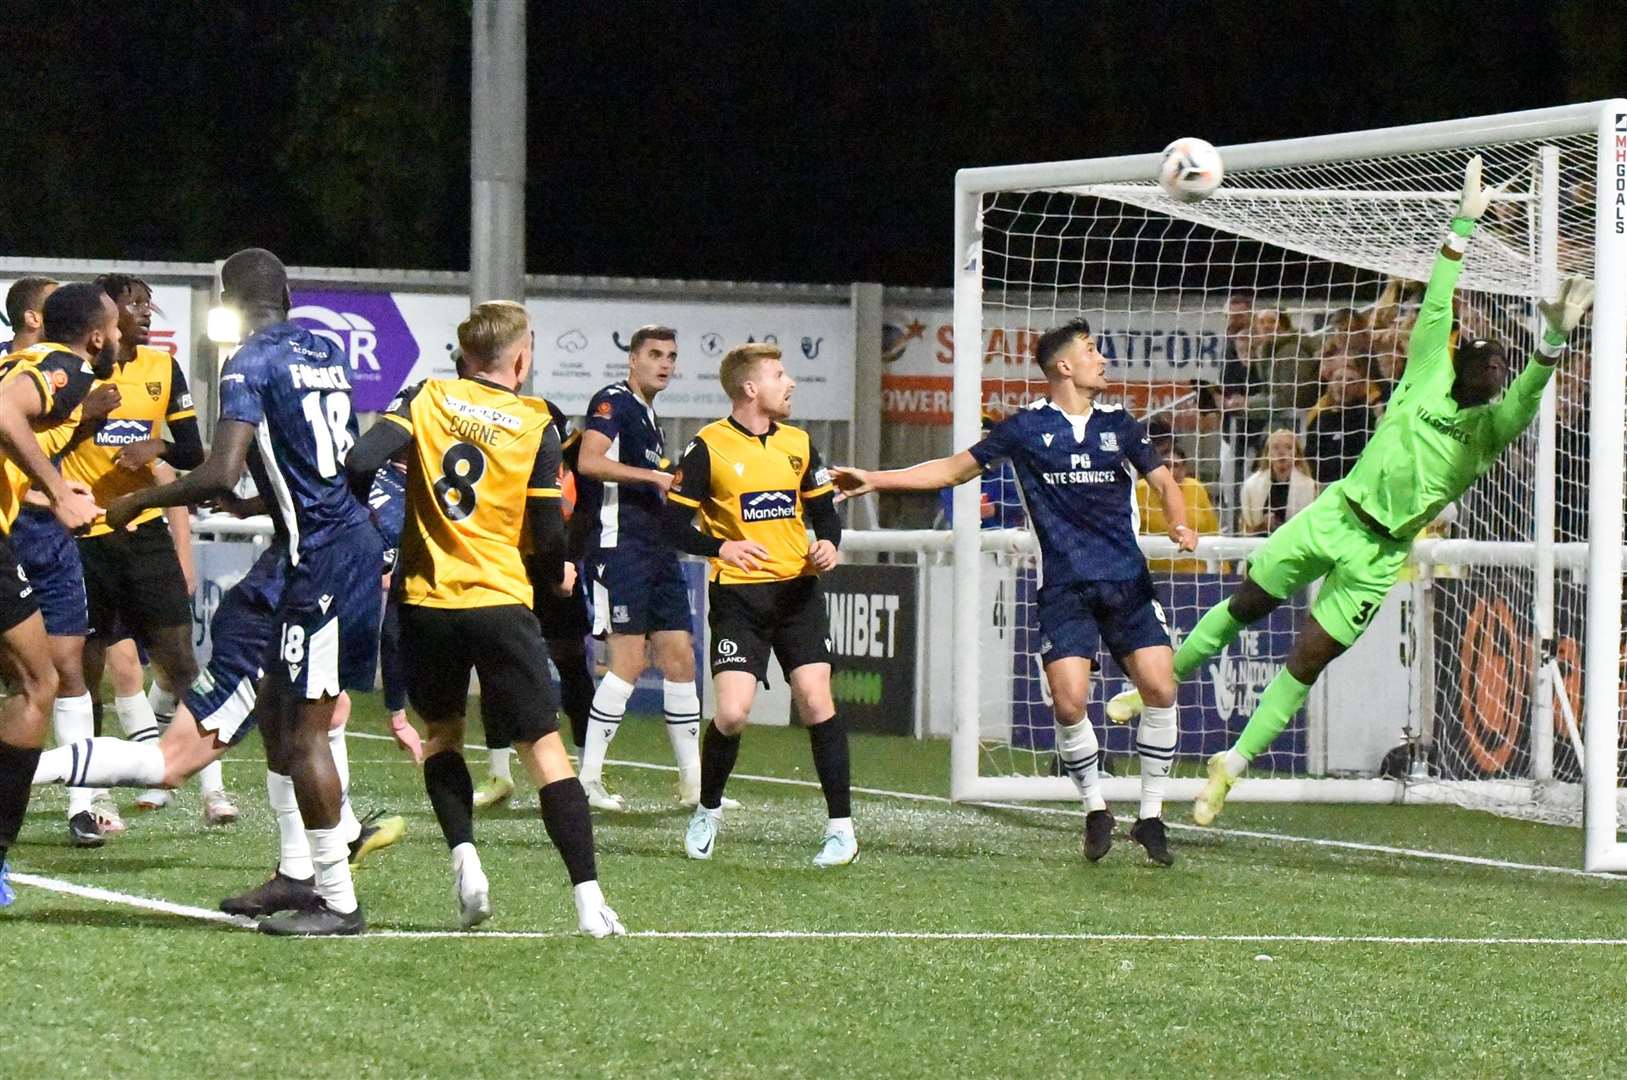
(1327,539)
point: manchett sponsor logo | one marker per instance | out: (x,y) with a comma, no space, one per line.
(123,432)
(767,505)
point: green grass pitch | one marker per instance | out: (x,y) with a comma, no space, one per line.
(100,988)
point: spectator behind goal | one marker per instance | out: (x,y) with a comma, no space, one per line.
(1279,487)
(1200,512)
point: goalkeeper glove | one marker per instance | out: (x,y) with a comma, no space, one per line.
(1474,200)
(1563,313)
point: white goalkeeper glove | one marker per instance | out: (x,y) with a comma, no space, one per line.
(1474,200)
(1563,313)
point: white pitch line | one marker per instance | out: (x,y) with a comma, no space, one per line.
(1241,834)
(109,896)
(1002,936)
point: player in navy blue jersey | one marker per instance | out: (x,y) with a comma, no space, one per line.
(639,598)
(1076,461)
(285,411)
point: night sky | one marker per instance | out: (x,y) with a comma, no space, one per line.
(794,142)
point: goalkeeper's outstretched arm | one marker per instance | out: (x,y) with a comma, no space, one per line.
(1428,344)
(1560,317)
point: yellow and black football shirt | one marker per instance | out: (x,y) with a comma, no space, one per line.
(152,392)
(62,379)
(753,487)
(479,451)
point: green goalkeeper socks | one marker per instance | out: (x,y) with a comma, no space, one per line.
(1281,700)
(1216,630)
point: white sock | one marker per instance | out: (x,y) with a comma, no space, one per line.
(295,857)
(588,896)
(1155,741)
(604,717)
(681,705)
(340,749)
(136,717)
(502,761)
(330,854)
(211,778)
(74,720)
(1081,756)
(162,703)
(1236,764)
(102,762)
(840,825)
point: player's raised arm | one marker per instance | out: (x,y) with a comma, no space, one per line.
(1560,317)
(1427,348)
(927,476)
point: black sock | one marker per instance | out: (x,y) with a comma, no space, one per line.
(829,741)
(570,826)
(16,783)
(575,687)
(452,794)
(718,752)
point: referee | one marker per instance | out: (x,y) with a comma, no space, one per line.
(757,485)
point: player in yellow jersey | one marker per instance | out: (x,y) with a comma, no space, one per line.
(483,468)
(37,395)
(758,484)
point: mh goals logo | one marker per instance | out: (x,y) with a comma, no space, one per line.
(1620,159)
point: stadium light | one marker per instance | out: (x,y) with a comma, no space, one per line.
(224,327)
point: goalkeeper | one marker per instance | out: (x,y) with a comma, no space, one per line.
(1444,426)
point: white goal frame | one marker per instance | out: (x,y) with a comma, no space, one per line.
(1602,849)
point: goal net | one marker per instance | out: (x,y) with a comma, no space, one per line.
(1257,334)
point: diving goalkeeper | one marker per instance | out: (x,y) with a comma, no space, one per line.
(1444,427)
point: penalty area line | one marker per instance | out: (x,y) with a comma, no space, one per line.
(1241,834)
(143,903)
(1005,936)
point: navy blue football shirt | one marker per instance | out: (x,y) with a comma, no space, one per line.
(623,515)
(1077,475)
(294,387)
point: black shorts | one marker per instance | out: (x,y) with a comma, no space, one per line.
(503,644)
(561,616)
(133,582)
(748,622)
(16,594)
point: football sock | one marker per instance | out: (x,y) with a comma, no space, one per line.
(340,750)
(294,856)
(1282,699)
(681,705)
(74,720)
(1155,742)
(16,775)
(136,717)
(570,826)
(575,687)
(829,743)
(1216,630)
(451,793)
(330,855)
(1081,756)
(502,762)
(162,703)
(211,778)
(718,752)
(604,717)
(102,762)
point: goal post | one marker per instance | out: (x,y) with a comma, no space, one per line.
(1508,618)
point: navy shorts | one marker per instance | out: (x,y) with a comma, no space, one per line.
(637,592)
(1078,618)
(48,553)
(241,632)
(327,637)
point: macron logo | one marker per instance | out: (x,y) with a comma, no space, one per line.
(1047,437)
(767,505)
(325,603)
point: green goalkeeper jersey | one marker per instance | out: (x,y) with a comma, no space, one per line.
(1427,450)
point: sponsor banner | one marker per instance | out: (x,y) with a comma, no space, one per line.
(873,625)
(171,323)
(1483,636)
(1142,346)
(394,339)
(1215,703)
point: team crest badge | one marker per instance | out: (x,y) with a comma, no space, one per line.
(796,462)
(154,389)
(59,379)
(1110,441)
(603,409)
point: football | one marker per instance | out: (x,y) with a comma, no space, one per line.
(1191,170)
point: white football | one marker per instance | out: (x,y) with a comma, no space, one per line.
(1191,170)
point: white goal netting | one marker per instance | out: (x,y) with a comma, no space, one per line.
(1258,334)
